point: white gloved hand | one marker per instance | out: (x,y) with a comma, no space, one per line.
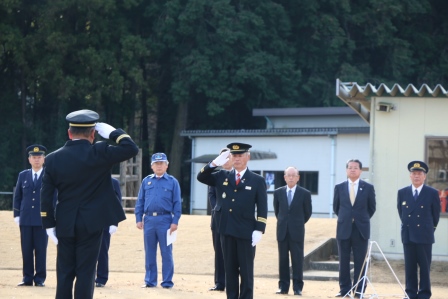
(50,233)
(104,129)
(256,237)
(222,158)
(17,220)
(112,229)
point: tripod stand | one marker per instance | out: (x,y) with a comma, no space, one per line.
(365,279)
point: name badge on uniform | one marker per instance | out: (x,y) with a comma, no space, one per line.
(248,188)
(224,195)
(404,203)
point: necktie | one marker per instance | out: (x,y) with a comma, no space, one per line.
(238,178)
(289,197)
(352,193)
(35,178)
(415,194)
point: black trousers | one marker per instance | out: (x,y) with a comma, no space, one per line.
(220,273)
(358,245)
(417,255)
(76,258)
(102,268)
(239,261)
(285,247)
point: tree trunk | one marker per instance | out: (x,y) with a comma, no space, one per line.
(177,145)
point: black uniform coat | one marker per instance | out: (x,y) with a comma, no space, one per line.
(235,205)
(419,218)
(293,217)
(80,171)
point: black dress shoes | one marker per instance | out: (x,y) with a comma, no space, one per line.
(147,286)
(298,293)
(25,284)
(39,284)
(99,285)
(280,291)
(167,287)
(216,288)
(339,295)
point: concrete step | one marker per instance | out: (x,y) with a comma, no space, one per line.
(320,275)
(327,265)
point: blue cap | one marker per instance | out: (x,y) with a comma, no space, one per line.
(418,166)
(158,157)
(36,150)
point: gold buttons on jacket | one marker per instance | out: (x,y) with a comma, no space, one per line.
(230,210)
(233,199)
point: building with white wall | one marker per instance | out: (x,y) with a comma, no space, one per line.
(318,141)
(406,124)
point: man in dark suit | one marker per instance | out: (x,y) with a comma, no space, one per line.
(102,268)
(240,193)
(80,171)
(33,238)
(220,272)
(292,207)
(419,210)
(354,203)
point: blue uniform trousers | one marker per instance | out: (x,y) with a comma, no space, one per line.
(155,229)
(102,268)
(417,255)
(34,241)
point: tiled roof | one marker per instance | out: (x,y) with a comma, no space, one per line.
(276,132)
(358,96)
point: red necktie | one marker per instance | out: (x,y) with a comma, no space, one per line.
(238,179)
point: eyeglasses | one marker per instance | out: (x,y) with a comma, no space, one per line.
(291,175)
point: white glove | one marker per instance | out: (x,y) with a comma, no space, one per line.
(112,229)
(256,237)
(104,129)
(17,220)
(50,233)
(222,158)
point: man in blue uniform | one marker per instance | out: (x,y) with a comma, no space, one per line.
(241,194)
(419,210)
(80,171)
(102,268)
(157,210)
(33,237)
(220,272)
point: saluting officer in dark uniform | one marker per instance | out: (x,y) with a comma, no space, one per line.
(239,193)
(33,237)
(81,172)
(419,210)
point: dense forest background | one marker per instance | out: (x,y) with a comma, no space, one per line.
(155,68)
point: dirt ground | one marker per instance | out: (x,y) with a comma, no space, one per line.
(193,274)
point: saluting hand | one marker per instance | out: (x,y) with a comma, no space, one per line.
(104,129)
(222,158)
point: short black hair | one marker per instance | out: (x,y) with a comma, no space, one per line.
(354,160)
(84,131)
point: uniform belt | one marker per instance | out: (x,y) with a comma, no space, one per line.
(158,213)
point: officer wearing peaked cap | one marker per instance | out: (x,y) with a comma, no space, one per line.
(81,172)
(240,192)
(33,237)
(419,210)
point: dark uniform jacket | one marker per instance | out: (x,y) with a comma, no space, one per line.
(292,218)
(27,198)
(419,218)
(236,205)
(81,172)
(360,212)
